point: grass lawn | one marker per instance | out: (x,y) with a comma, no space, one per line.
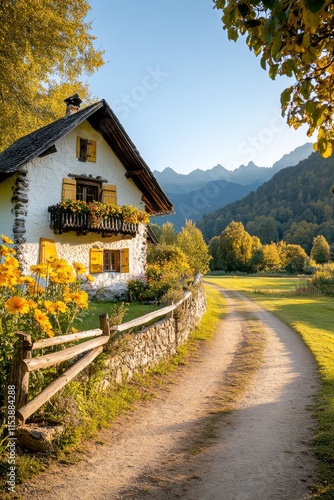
(91,319)
(312,317)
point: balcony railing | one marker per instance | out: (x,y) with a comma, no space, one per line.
(64,221)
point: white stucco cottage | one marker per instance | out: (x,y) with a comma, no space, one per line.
(85,156)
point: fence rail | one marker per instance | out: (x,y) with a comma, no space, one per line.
(146,318)
(23,362)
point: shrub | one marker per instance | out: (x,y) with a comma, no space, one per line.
(136,288)
(295,258)
(167,265)
(323,281)
(169,258)
(153,286)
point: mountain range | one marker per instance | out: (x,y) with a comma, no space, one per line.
(295,206)
(203,191)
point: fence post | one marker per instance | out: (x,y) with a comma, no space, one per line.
(104,324)
(171,313)
(19,375)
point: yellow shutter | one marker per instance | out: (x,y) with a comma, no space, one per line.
(78,147)
(69,190)
(47,249)
(91,151)
(117,255)
(96,260)
(125,261)
(109,194)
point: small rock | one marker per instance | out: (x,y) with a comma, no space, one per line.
(38,437)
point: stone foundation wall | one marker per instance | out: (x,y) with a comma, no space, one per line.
(137,352)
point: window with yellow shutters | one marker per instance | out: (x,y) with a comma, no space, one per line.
(86,149)
(81,188)
(109,260)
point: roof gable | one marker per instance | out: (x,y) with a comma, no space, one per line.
(103,120)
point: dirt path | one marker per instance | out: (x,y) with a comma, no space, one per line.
(176,447)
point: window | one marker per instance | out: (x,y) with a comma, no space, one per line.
(88,188)
(88,191)
(109,260)
(112,260)
(86,149)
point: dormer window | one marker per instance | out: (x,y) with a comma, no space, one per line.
(86,149)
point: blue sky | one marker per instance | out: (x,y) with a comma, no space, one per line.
(188,97)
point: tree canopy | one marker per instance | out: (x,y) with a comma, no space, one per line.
(237,248)
(192,243)
(320,251)
(296,39)
(46,48)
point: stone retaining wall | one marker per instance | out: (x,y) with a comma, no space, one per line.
(137,352)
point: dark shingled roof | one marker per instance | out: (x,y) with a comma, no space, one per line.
(102,118)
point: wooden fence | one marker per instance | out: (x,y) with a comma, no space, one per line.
(23,362)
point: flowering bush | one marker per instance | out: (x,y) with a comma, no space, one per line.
(153,286)
(167,265)
(43,304)
(98,211)
(136,288)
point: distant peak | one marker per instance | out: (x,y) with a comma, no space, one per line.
(249,165)
(168,169)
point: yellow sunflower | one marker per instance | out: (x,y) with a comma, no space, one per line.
(17,305)
(7,240)
(79,268)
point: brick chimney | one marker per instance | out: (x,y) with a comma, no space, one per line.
(72,104)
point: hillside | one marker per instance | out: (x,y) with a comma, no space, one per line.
(203,191)
(294,206)
(195,204)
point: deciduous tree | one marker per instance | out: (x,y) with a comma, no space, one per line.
(320,251)
(237,248)
(293,38)
(214,244)
(45,50)
(266,228)
(301,233)
(295,258)
(165,233)
(168,258)
(271,255)
(192,244)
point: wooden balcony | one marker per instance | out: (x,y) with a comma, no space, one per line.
(64,221)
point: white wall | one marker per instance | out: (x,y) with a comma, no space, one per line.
(45,177)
